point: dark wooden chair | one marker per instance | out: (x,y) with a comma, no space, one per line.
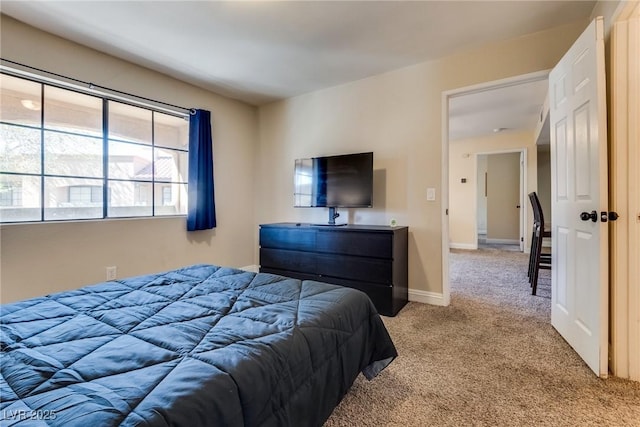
(537,259)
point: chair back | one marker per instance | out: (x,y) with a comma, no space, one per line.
(536,259)
(538,216)
(532,199)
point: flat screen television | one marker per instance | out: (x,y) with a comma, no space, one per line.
(344,181)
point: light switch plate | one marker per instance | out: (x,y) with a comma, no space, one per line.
(431,194)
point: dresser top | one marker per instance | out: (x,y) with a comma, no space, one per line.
(327,227)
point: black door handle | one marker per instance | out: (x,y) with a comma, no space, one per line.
(586,216)
(613,216)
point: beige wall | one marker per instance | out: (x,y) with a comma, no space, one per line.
(462,158)
(36,259)
(544,182)
(398,116)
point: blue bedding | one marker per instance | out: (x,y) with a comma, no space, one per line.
(197,346)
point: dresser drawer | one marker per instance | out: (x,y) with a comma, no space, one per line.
(356,268)
(292,274)
(281,259)
(380,295)
(377,245)
(288,238)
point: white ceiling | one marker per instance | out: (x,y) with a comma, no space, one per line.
(505,109)
(261,51)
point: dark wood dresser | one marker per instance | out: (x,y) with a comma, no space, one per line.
(370,258)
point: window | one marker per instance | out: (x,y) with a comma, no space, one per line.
(10,196)
(85,194)
(303,182)
(166,196)
(71,155)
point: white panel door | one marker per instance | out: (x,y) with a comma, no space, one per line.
(579,294)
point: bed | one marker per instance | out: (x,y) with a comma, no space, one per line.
(197,346)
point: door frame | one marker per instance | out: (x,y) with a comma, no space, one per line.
(444,214)
(624,341)
(522,185)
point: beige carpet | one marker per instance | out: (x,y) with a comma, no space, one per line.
(489,359)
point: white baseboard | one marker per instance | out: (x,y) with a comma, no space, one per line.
(251,268)
(470,246)
(503,241)
(426,297)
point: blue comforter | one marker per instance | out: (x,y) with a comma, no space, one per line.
(202,345)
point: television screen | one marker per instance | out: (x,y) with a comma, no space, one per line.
(344,181)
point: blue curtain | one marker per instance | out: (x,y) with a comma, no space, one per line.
(202,209)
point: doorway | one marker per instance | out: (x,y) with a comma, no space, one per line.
(499,200)
(456,148)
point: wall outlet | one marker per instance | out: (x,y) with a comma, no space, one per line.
(112,273)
